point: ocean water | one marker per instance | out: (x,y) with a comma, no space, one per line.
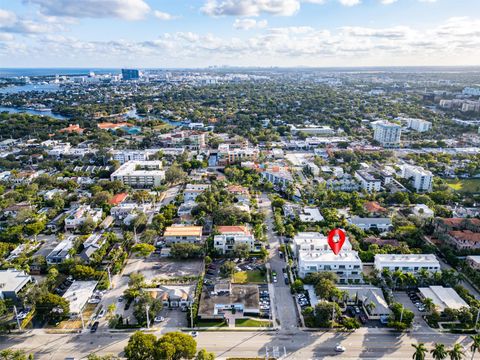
(16,72)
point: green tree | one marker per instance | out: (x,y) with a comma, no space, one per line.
(420,351)
(143,249)
(140,346)
(186,251)
(174,174)
(241,250)
(439,352)
(297,285)
(183,346)
(326,313)
(205,355)
(228,268)
(52,307)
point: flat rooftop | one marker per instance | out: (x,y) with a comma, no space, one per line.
(183,231)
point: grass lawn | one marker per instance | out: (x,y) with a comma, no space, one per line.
(464,185)
(252,323)
(211,323)
(249,277)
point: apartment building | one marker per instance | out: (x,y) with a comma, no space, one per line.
(387,134)
(124,156)
(231,236)
(140,174)
(418,124)
(411,263)
(380,224)
(229,155)
(183,234)
(346,265)
(368,181)
(277,175)
(421,179)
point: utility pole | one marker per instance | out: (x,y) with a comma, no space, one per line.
(147,309)
(81,318)
(109,278)
(401,314)
(16,317)
(478,317)
(191,315)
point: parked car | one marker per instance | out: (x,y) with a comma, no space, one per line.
(101,314)
(357,310)
(340,348)
(159,319)
(275,279)
(94,327)
(193,334)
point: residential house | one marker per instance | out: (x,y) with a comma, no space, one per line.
(183,234)
(411,263)
(380,224)
(12,282)
(231,236)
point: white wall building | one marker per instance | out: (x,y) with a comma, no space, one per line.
(419,124)
(124,156)
(232,236)
(193,190)
(346,265)
(381,224)
(78,216)
(310,214)
(368,181)
(422,180)
(142,174)
(387,134)
(314,241)
(407,262)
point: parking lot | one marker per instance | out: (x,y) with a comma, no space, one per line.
(409,303)
(155,267)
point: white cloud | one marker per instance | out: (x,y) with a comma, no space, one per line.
(453,42)
(124,9)
(250,7)
(163,15)
(248,24)
(388,2)
(350,2)
(7,18)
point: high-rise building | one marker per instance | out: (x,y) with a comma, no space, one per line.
(130,74)
(387,134)
(422,180)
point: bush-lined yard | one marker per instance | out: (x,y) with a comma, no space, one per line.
(249,277)
(464,185)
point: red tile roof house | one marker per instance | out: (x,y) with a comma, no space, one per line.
(459,232)
(118,199)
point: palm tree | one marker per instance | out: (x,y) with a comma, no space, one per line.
(420,351)
(429,304)
(423,275)
(399,276)
(410,279)
(475,345)
(456,353)
(439,352)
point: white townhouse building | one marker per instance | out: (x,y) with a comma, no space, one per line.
(183,234)
(411,263)
(193,190)
(78,216)
(124,156)
(140,174)
(231,236)
(381,224)
(346,265)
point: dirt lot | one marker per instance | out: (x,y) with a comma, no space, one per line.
(154,267)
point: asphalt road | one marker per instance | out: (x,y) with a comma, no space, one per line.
(281,298)
(362,344)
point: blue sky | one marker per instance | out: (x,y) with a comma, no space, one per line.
(199,33)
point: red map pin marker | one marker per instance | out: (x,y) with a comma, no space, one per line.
(336,238)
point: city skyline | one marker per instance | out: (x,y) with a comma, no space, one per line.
(285,33)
